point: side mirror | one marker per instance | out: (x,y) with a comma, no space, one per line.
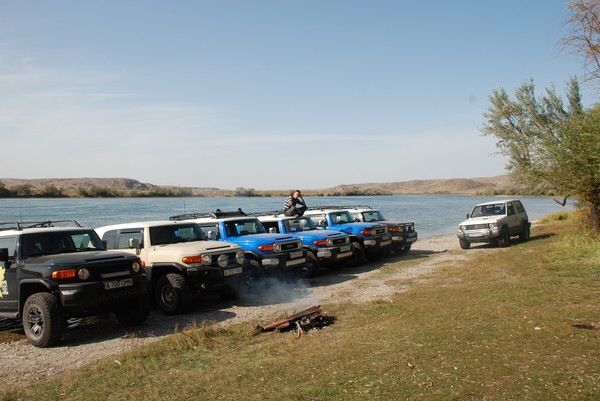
(272,230)
(468,215)
(322,223)
(356,220)
(211,235)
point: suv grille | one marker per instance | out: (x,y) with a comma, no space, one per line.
(338,241)
(477,226)
(289,246)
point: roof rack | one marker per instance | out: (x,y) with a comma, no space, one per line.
(16,225)
(340,207)
(274,213)
(214,215)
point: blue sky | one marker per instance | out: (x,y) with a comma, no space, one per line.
(266,94)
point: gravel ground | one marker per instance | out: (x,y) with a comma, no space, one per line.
(97,338)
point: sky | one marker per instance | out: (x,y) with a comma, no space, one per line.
(266,94)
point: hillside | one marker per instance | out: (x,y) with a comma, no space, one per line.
(131,187)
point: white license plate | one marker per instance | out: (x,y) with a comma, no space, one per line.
(109,285)
(474,235)
(345,248)
(231,272)
(296,254)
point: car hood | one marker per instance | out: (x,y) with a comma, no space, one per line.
(195,247)
(481,220)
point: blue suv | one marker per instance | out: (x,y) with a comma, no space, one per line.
(325,247)
(265,253)
(368,239)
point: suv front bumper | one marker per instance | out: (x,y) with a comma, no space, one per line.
(284,260)
(335,253)
(479,235)
(376,242)
(93,297)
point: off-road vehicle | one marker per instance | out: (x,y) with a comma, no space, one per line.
(266,253)
(368,239)
(55,270)
(494,222)
(324,247)
(179,260)
(403,234)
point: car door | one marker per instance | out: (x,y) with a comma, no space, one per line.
(9,295)
(514,224)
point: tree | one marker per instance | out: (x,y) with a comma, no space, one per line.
(584,36)
(548,142)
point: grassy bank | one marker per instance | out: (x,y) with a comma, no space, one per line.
(520,323)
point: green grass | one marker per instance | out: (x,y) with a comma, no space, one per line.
(520,323)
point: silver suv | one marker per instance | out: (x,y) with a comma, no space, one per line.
(494,222)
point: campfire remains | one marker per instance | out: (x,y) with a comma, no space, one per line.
(301,322)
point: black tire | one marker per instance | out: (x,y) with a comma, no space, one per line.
(464,244)
(43,319)
(172,294)
(358,255)
(504,240)
(134,314)
(525,233)
(253,272)
(404,250)
(311,267)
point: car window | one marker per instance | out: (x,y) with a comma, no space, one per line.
(125,237)
(10,244)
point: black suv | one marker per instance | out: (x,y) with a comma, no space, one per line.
(54,270)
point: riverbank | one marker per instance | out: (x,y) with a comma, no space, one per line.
(99,338)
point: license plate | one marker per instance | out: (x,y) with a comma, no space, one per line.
(296,254)
(475,235)
(109,285)
(231,272)
(345,248)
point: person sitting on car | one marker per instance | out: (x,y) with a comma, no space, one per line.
(290,207)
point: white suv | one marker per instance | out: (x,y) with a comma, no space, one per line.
(494,222)
(179,260)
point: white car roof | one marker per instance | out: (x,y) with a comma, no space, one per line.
(144,224)
(497,201)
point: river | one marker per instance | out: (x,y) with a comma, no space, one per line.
(432,214)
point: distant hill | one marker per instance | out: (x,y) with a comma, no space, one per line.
(104,187)
(468,186)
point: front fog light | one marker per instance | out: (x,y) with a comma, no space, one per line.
(239,257)
(223,260)
(83,274)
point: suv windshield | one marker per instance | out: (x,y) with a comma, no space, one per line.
(49,243)
(341,217)
(301,224)
(244,227)
(372,216)
(496,209)
(171,234)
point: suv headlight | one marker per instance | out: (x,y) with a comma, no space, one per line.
(240,257)
(223,260)
(277,248)
(206,259)
(493,225)
(83,274)
(462,228)
(135,266)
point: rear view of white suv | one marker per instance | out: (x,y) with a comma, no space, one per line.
(494,222)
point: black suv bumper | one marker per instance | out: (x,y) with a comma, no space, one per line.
(97,296)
